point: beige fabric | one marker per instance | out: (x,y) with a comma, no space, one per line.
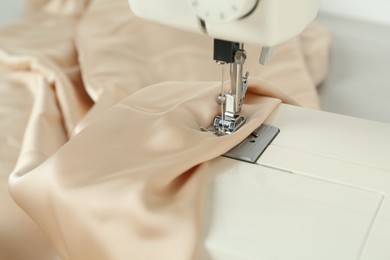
(32,6)
(62,7)
(98,179)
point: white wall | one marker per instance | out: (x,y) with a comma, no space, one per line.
(10,11)
(377,11)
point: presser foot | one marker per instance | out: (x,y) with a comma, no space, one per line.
(226,125)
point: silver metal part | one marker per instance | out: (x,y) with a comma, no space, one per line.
(266,54)
(254,145)
(236,74)
(227,125)
(229,120)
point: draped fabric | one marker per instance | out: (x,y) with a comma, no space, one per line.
(100,117)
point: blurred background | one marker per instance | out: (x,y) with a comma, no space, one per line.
(359,80)
(10,11)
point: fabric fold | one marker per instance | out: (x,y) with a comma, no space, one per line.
(128,181)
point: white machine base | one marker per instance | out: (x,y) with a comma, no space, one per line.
(320,191)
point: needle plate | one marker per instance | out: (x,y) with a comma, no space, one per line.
(254,145)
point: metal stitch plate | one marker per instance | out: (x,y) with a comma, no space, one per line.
(254,145)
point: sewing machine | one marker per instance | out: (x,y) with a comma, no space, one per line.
(320,189)
(232,23)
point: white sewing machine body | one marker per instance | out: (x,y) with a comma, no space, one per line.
(319,191)
(266,22)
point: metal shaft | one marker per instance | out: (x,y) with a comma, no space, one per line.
(236,74)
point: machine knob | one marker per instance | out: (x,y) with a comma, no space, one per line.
(222,10)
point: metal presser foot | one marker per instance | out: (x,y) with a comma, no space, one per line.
(229,121)
(226,126)
(231,102)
